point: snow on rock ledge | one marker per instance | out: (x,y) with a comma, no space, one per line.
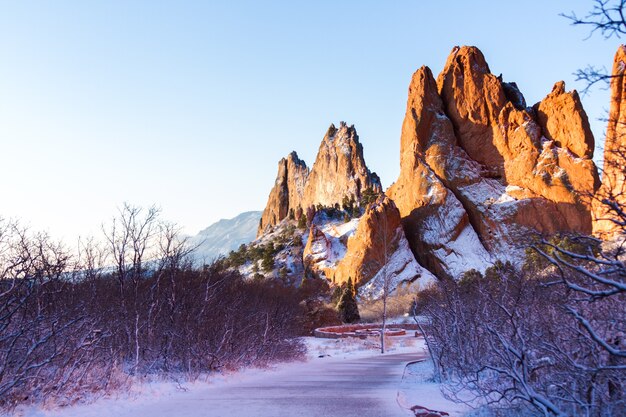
(479,172)
(379,249)
(402,270)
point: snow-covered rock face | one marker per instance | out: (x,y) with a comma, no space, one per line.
(339,171)
(479,172)
(372,250)
(326,245)
(402,271)
(378,253)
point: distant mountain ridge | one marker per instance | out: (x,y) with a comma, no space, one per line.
(225,235)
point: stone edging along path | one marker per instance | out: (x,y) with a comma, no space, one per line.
(363,330)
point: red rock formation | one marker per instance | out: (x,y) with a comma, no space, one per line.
(473,99)
(379,251)
(339,171)
(434,219)
(287,191)
(508,141)
(614,175)
(564,121)
(373,243)
(478,170)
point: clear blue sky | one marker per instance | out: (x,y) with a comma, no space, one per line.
(190,105)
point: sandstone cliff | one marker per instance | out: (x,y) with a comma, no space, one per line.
(479,172)
(614,175)
(339,171)
(378,254)
(287,191)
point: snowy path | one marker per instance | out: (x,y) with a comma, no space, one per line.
(363,386)
(357,387)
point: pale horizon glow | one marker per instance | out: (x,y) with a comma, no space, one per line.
(190,105)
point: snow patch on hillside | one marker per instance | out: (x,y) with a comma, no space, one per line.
(329,248)
(464,253)
(402,270)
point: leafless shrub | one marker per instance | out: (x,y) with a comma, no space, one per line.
(512,339)
(70,325)
(398,304)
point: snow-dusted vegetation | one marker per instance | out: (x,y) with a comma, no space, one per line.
(96,321)
(547,338)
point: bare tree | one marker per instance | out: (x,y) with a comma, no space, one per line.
(606,17)
(47,343)
(131,237)
(510,339)
(135,305)
(382,224)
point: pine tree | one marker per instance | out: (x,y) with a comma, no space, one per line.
(368,197)
(268,261)
(348,308)
(302,221)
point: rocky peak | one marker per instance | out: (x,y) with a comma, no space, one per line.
(477,171)
(564,121)
(286,194)
(339,171)
(512,143)
(614,175)
(473,99)
(433,217)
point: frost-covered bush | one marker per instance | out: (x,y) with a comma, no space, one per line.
(515,339)
(76,324)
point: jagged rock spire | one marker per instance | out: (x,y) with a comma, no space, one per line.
(478,170)
(339,171)
(287,191)
(613,187)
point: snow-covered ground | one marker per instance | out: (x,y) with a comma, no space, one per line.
(339,377)
(418,388)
